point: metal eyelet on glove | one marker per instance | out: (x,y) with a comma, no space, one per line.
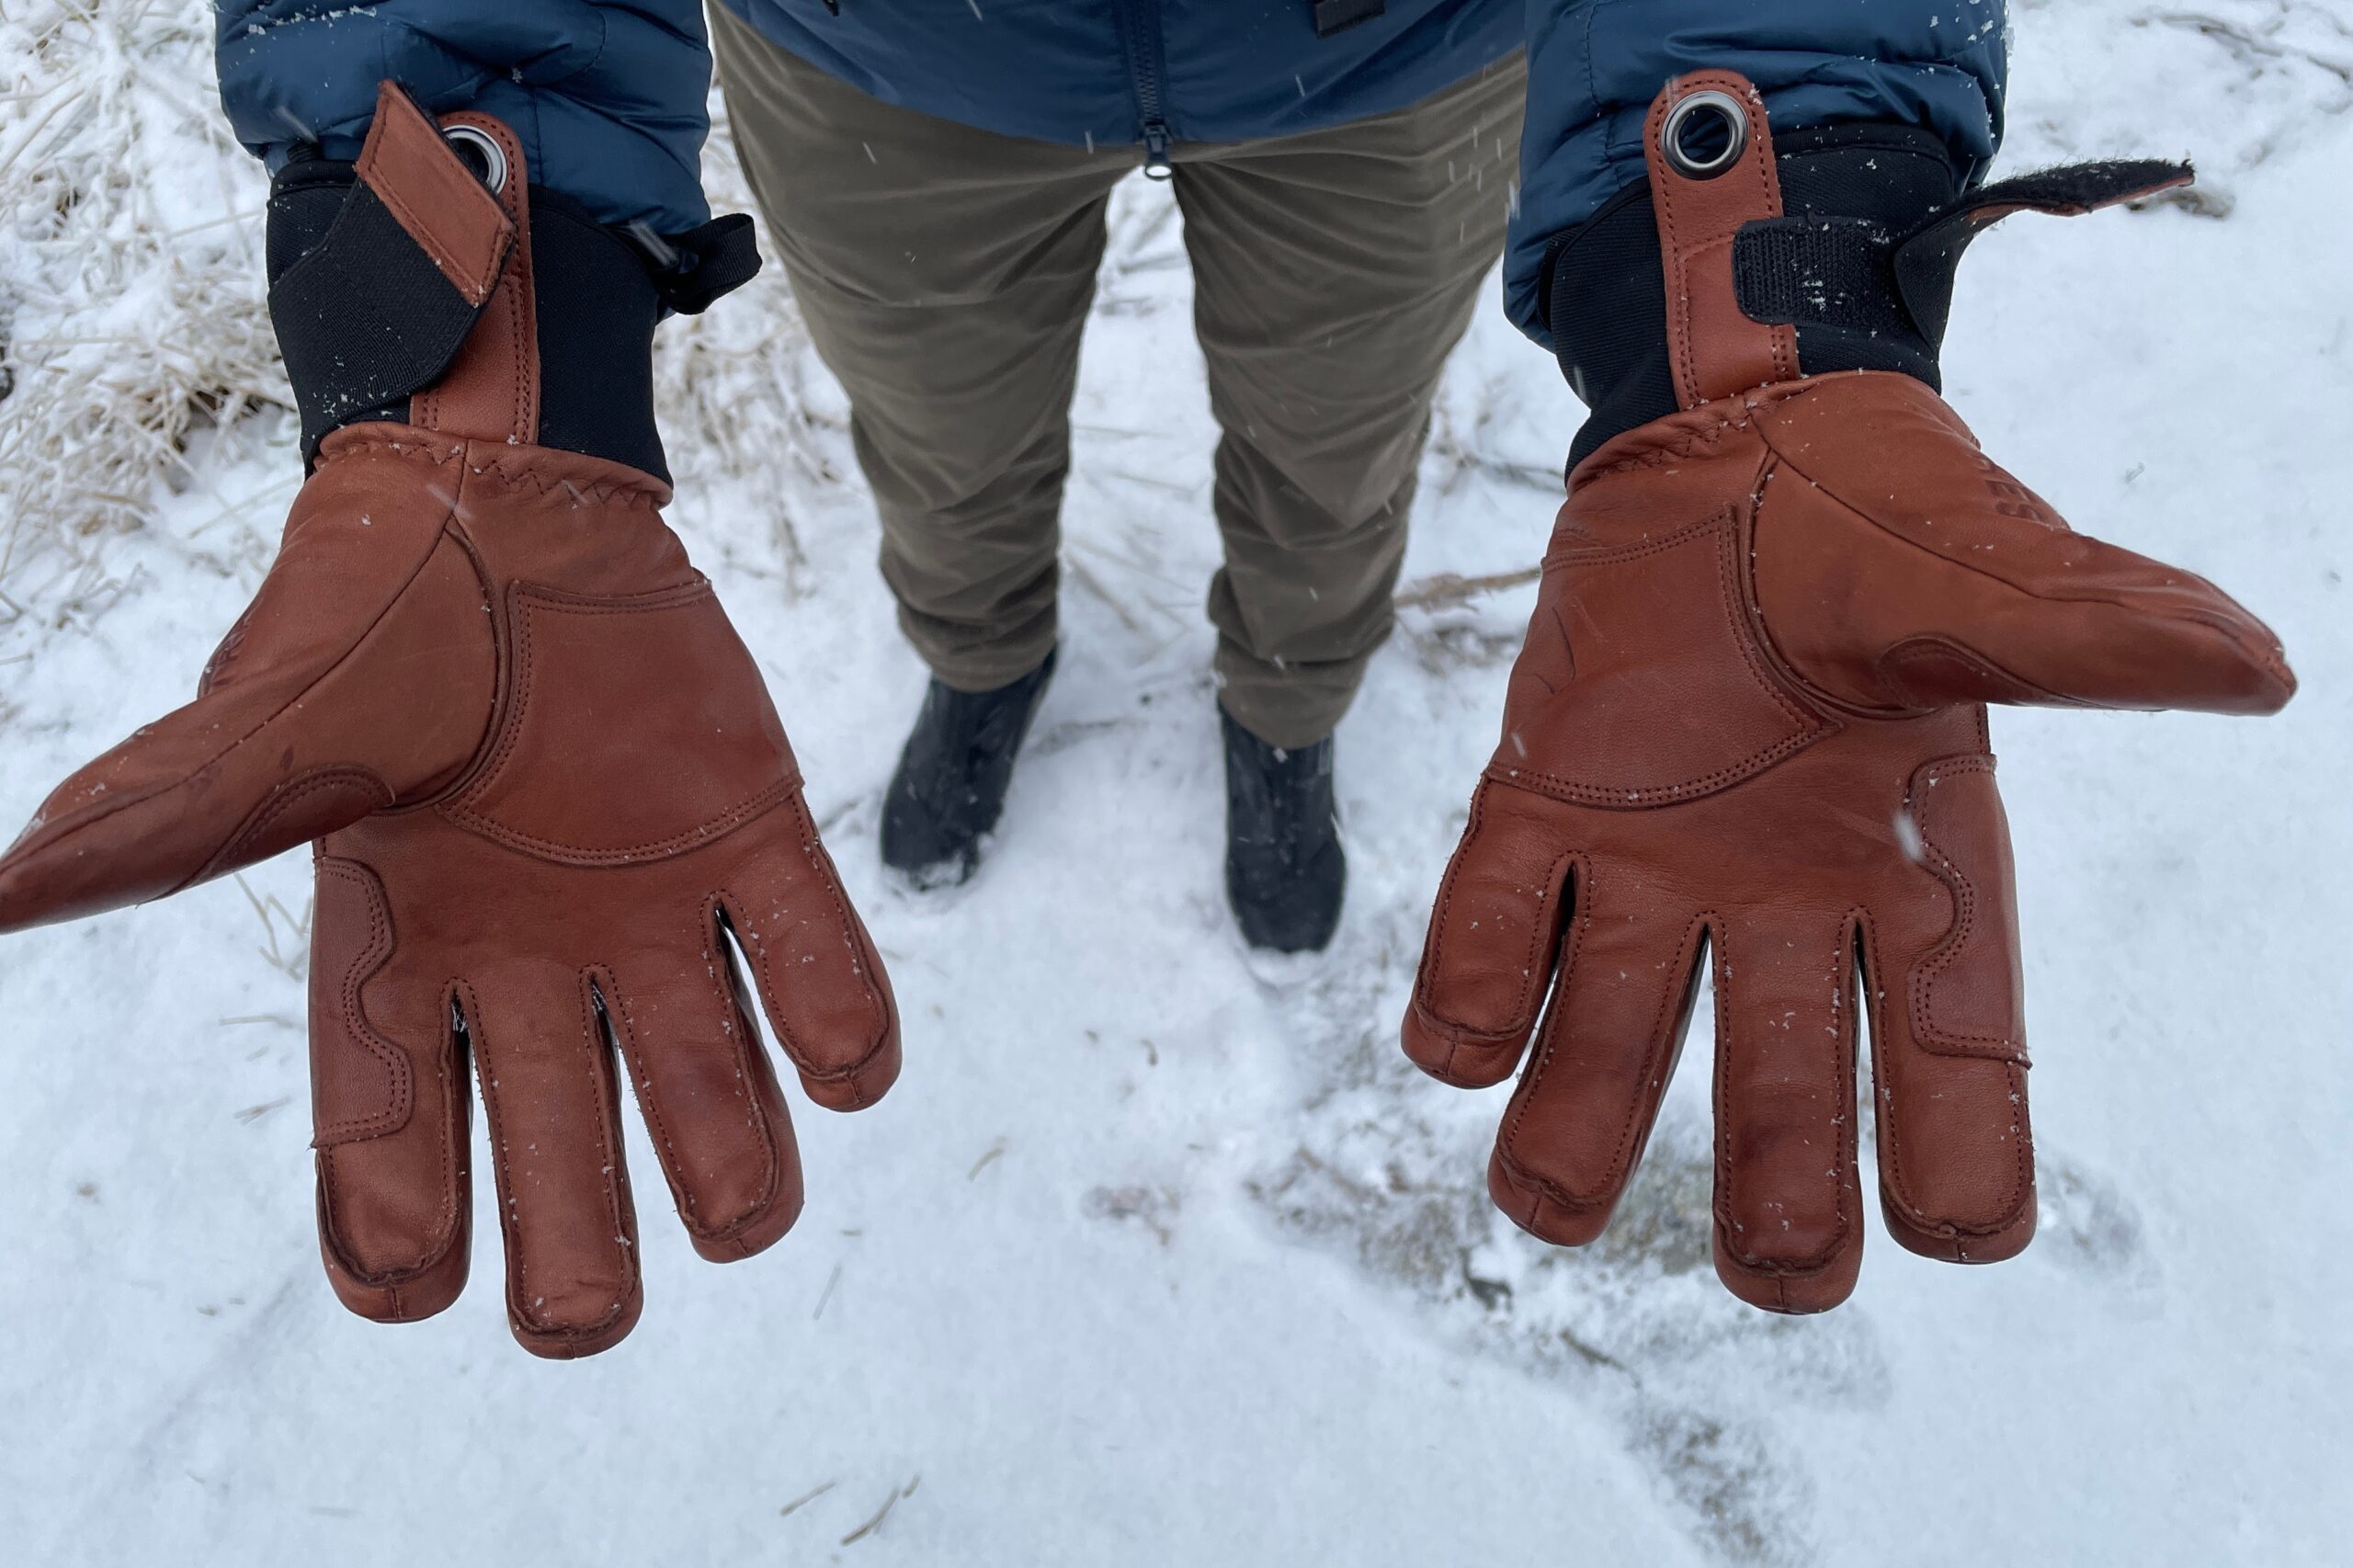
(1729,110)
(481,153)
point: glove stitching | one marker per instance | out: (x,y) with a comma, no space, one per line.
(727,822)
(1764,431)
(1659,456)
(90,811)
(1618,555)
(772,996)
(610,1162)
(511,1222)
(418,445)
(271,811)
(600,975)
(866,961)
(1665,194)
(637,497)
(370,958)
(225,653)
(746,1035)
(1524,1008)
(756,1117)
(446,1227)
(430,236)
(1885,1067)
(461,809)
(1816,1262)
(513,302)
(1678,321)
(415,222)
(1932,1034)
(1930,650)
(1643,1112)
(1818,726)
(1649,452)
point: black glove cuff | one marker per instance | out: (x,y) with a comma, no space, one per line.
(363,316)
(364,320)
(1861,263)
(1847,191)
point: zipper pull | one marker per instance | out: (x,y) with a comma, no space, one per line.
(1155,152)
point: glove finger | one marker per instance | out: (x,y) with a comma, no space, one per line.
(820,979)
(709,1096)
(1895,564)
(1577,1124)
(1955,1154)
(1494,933)
(390,1105)
(289,740)
(1788,1231)
(552,1099)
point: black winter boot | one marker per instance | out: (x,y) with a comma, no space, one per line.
(1285,872)
(952,777)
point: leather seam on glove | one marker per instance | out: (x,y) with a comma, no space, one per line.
(1533,984)
(750,810)
(1785,460)
(1894,1183)
(624,1243)
(82,817)
(405,146)
(369,958)
(274,809)
(748,932)
(1814,725)
(1652,454)
(1827,1256)
(447,1230)
(641,493)
(450,1218)
(495,350)
(650,1101)
(462,808)
(1932,1035)
(1615,554)
(1667,193)
(1686,958)
(1704,425)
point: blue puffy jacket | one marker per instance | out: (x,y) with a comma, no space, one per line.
(608,95)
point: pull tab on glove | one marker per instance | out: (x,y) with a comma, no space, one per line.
(1746,725)
(548,787)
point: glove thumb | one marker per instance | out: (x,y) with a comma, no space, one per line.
(357,679)
(1897,567)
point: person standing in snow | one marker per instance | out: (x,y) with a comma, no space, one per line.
(545,779)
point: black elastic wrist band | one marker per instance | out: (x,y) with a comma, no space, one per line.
(365,319)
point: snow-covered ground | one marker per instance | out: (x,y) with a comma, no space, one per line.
(1158,1256)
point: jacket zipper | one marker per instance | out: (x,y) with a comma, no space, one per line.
(1139,22)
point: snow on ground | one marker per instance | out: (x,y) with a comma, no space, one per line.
(1160,1255)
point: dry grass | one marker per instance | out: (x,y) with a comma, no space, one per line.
(130,282)
(134,320)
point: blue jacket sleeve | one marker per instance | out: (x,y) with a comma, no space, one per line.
(1595,66)
(607,95)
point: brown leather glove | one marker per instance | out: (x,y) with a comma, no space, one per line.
(545,779)
(1747,721)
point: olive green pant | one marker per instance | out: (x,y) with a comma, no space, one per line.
(946,273)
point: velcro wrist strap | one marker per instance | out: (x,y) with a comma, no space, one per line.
(1847,237)
(1924,260)
(694,269)
(379,305)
